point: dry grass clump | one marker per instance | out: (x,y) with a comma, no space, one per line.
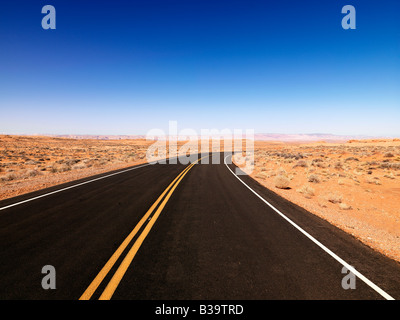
(351,159)
(338,165)
(307,191)
(32,173)
(314,178)
(301,163)
(374,180)
(78,166)
(334,197)
(344,206)
(9,177)
(387,165)
(389,176)
(60,168)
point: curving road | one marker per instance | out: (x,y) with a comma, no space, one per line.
(174,231)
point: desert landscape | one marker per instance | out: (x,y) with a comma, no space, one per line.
(29,163)
(200,150)
(354,185)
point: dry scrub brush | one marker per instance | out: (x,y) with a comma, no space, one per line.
(334,197)
(9,177)
(307,191)
(314,178)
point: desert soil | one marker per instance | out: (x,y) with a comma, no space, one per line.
(29,163)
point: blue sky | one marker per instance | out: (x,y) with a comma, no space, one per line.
(125,67)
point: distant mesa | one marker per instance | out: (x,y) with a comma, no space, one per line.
(96,137)
(275,137)
(312,137)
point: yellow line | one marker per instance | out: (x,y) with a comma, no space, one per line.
(116,279)
(107,267)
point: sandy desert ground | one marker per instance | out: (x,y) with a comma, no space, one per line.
(354,185)
(29,163)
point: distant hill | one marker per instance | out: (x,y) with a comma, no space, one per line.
(258,136)
(96,137)
(306,137)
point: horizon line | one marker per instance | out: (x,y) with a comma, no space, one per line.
(272,136)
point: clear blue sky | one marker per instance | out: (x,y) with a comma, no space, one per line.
(125,67)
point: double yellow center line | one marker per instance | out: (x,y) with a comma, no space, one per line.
(118,275)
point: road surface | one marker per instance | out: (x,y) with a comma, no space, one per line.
(175,231)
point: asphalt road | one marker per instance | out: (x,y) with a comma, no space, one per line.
(174,231)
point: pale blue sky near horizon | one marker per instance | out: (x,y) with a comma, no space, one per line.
(125,67)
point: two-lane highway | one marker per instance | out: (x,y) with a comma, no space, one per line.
(173,231)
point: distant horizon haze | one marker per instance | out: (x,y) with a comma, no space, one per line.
(180,137)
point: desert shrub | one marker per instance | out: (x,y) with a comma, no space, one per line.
(33,173)
(307,191)
(390,176)
(301,163)
(103,161)
(9,177)
(338,166)
(373,180)
(281,182)
(344,206)
(334,197)
(321,165)
(387,165)
(88,162)
(71,162)
(352,159)
(78,166)
(358,171)
(314,178)
(60,168)
(388,155)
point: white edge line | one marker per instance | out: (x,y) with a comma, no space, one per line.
(70,187)
(333,255)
